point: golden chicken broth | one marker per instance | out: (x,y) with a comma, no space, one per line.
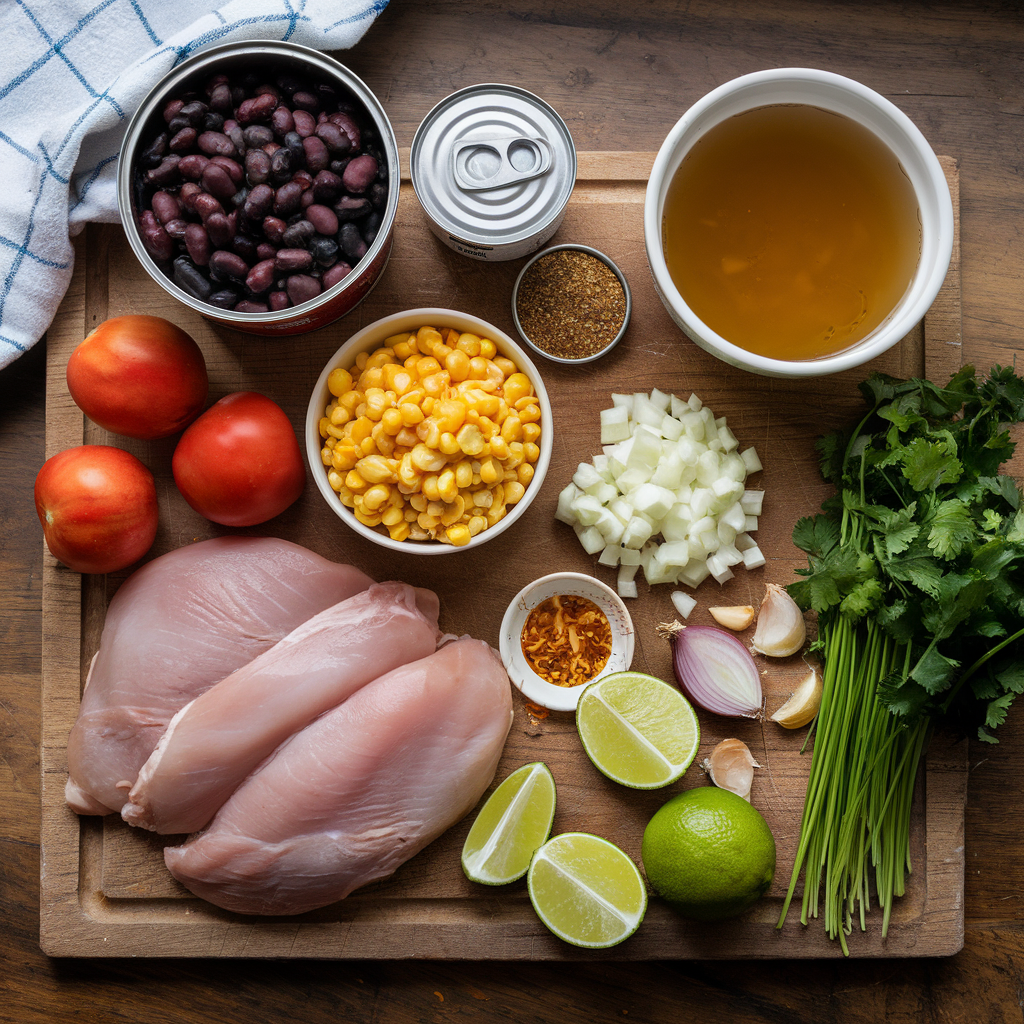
(791,231)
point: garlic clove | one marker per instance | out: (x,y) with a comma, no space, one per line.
(735,617)
(781,630)
(731,766)
(803,705)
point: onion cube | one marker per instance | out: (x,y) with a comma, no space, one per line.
(614,424)
(751,461)
(590,538)
(752,558)
(683,603)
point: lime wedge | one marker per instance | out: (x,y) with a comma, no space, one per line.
(586,890)
(511,825)
(637,729)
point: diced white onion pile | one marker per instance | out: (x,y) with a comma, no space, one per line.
(667,494)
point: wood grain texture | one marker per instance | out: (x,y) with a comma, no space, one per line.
(105,890)
(620,76)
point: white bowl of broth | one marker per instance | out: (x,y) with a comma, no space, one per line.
(797,223)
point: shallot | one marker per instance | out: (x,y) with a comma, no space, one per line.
(714,669)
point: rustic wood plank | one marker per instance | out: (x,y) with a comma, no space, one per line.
(105,890)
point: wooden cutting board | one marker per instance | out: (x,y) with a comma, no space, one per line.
(104,888)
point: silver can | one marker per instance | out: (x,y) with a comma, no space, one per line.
(264,58)
(493,167)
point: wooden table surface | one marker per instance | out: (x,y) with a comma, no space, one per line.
(620,76)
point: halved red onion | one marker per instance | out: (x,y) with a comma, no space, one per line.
(715,670)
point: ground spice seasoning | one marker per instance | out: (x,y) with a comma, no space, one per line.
(570,304)
(567,640)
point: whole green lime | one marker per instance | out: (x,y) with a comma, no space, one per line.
(709,853)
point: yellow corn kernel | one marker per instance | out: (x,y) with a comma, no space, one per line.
(483,403)
(448,445)
(487,348)
(481,499)
(322,424)
(517,386)
(525,473)
(458,535)
(366,520)
(453,511)
(335,432)
(447,486)
(418,502)
(450,413)
(478,367)
(392,516)
(391,421)
(410,363)
(339,381)
(488,428)
(376,403)
(471,441)
(336,480)
(457,365)
(490,470)
(440,352)
(429,432)
(340,416)
(396,377)
(399,531)
(408,474)
(343,458)
(402,338)
(426,521)
(415,533)
(355,481)
(380,357)
(403,349)
(531,452)
(326,455)
(512,429)
(498,447)
(436,508)
(371,377)
(426,365)
(476,524)
(429,487)
(411,414)
(469,343)
(376,496)
(494,513)
(426,460)
(498,495)
(410,514)
(361,360)
(515,455)
(427,337)
(529,413)
(531,431)
(407,438)
(383,440)
(351,400)
(464,473)
(435,383)
(367,446)
(375,469)
(514,491)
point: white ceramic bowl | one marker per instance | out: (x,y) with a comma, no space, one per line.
(533,687)
(843,96)
(370,338)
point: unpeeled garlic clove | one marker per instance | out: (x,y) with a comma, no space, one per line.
(781,630)
(736,617)
(803,705)
(731,766)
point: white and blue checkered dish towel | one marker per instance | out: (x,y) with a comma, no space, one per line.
(71,75)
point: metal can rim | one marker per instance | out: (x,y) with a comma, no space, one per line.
(192,66)
(477,238)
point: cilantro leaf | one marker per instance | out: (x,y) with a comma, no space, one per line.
(951,530)
(817,535)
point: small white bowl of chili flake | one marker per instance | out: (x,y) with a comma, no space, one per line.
(571,304)
(562,632)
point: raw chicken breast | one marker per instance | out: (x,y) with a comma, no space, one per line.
(213,743)
(175,627)
(358,792)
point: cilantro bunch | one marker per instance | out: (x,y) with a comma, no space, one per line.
(927,538)
(916,570)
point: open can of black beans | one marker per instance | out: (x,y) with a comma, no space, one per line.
(258,184)
(493,167)
(571,304)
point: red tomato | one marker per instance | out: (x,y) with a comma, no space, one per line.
(140,376)
(240,464)
(98,508)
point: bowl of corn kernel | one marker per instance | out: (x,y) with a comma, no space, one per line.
(429,431)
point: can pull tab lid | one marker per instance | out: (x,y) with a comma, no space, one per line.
(496,161)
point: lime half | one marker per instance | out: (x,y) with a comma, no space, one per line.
(586,890)
(511,825)
(637,729)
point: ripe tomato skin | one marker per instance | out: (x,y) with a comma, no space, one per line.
(240,464)
(140,376)
(98,508)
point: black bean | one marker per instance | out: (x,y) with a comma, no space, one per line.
(351,242)
(257,135)
(194,111)
(220,98)
(298,235)
(166,172)
(245,247)
(287,199)
(176,228)
(378,195)
(257,167)
(351,208)
(274,229)
(305,100)
(220,229)
(151,156)
(281,166)
(315,153)
(213,122)
(347,123)
(155,239)
(224,299)
(259,203)
(229,264)
(370,227)
(305,123)
(172,109)
(326,187)
(324,250)
(191,280)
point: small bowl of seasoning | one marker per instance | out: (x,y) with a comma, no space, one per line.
(571,304)
(562,632)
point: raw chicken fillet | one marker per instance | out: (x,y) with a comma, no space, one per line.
(178,625)
(358,792)
(213,743)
